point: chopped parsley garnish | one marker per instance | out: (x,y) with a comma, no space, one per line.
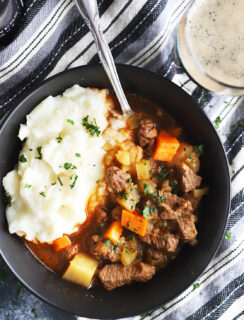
(108,242)
(196,285)
(30,149)
(164,174)
(77,155)
(198,150)
(115,247)
(154,194)
(3,276)
(60,181)
(217,122)
(70,121)
(98,181)
(164,308)
(128,224)
(145,186)
(162,198)
(67,165)
(235,126)
(228,236)
(39,151)
(8,200)
(129,180)
(35,313)
(91,127)
(28,186)
(42,194)
(144,315)
(174,187)
(22,158)
(123,195)
(74,182)
(59,139)
(165,238)
(190,156)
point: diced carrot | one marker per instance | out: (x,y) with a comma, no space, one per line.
(166,147)
(175,132)
(134,222)
(61,243)
(114,232)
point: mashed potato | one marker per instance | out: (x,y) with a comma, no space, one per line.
(59,164)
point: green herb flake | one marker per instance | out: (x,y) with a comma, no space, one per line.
(228,236)
(190,156)
(98,181)
(217,122)
(129,180)
(165,238)
(8,200)
(60,181)
(67,165)
(164,308)
(74,182)
(30,149)
(19,293)
(123,195)
(146,186)
(164,174)
(128,224)
(91,127)
(59,139)
(162,198)
(42,194)
(196,285)
(107,242)
(3,276)
(27,186)
(144,315)
(235,126)
(78,155)
(34,313)
(22,158)
(198,150)
(70,121)
(39,151)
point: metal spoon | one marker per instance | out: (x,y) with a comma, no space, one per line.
(89,11)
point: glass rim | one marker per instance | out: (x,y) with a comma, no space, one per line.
(197,63)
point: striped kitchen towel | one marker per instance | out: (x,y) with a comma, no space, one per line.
(51,38)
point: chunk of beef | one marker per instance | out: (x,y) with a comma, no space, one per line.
(165,241)
(193,200)
(101,216)
(156,257)
(188,179)
(100,250)
(116,213)
(116,179)
(117,275)
(70,252)
(173,206)
(146,135)
(187,227)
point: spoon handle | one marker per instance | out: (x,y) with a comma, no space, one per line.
(89,11)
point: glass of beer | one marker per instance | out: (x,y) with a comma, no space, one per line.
(210,45)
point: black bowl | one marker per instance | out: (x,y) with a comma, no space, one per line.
(191,262)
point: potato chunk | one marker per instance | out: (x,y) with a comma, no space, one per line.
(143,169)
(81,269)
(129,198)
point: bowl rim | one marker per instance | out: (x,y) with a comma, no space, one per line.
(177,89)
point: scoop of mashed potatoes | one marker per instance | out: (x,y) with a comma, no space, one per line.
(59,164)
